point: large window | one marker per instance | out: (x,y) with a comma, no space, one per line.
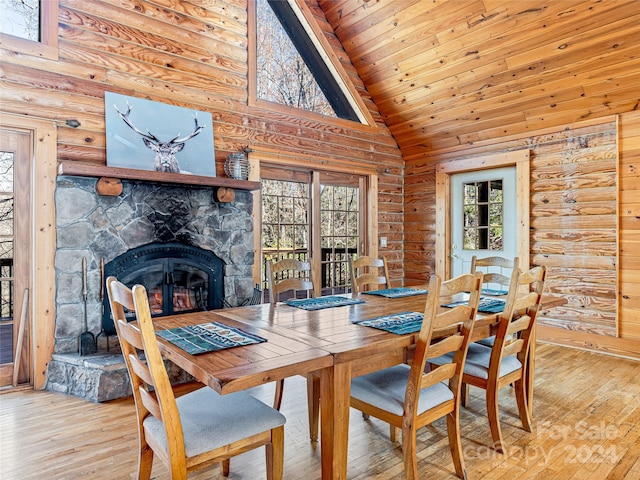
(326,231)
(6,250)
(30,26)
(21,18)
(282,74)
(293,65)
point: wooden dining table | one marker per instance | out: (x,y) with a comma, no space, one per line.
(325,341)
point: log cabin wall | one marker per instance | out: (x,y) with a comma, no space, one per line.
(573,222)
(191,56)
(456,79)
(450,79)
(197,58)
(629,226)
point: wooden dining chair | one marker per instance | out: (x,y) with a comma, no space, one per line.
(289,274)
(495,272)
(366,271)
(505,363)
(283,276)
(195,430)
(408,398)
(494,268)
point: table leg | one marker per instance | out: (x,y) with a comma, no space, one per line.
(335,392)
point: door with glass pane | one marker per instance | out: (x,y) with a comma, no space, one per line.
(313,216)
(483,216)
(340,229)
(15,155)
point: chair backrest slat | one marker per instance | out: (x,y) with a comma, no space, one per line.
(141,369)
(365,271)
(131,335)
(518,317)
(446,345)
(150,401)
(513,347)
(457,336)
(494,262)
(289,274)
(151,387)
(452,316)
(445,372)
(518,324)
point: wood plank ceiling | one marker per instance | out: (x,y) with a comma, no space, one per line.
(449,73)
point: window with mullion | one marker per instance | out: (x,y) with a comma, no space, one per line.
(289,231)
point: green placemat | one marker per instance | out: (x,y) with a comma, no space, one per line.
(492,291)
(398,323)
(397,292)
(208,337)
(322,302)
(486,305)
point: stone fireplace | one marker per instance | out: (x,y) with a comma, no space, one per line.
(104,228)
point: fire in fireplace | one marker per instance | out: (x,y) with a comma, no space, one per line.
(178,278)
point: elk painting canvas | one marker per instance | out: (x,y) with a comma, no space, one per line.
(148,135)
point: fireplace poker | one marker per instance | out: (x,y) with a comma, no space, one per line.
(102,285)
(87,341)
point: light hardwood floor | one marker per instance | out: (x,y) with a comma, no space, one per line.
(586,419)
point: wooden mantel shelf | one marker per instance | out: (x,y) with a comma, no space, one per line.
(91,170)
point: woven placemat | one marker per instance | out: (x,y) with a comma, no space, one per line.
(397,292)
(322,302)
(208,337)
(398,323)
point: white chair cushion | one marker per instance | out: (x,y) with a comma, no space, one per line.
(386,389)
(210,420)
(477,363)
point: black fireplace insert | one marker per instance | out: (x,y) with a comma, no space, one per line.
(179,279)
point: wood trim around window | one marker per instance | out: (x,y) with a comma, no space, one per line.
(262,160)
(369,126)
(47,47)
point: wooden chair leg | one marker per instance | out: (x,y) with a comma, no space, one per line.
(464,395)
(409,454)
(494,417)
(145,462)
(275,454)
(523,404)
(393,433)
(313,401)
(277,398)
(226,467)
(455,445)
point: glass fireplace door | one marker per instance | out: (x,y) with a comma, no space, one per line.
(188,286)
(172,286)
(179,278)
(152,277)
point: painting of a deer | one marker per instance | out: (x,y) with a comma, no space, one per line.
(165,160)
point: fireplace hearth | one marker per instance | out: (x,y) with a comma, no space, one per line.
(112,231)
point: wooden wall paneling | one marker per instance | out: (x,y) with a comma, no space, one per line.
(480,71)
(464,44)
(629,226)
(576,233)
(591,310)
(418,33)
(188,56)
(573,219)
